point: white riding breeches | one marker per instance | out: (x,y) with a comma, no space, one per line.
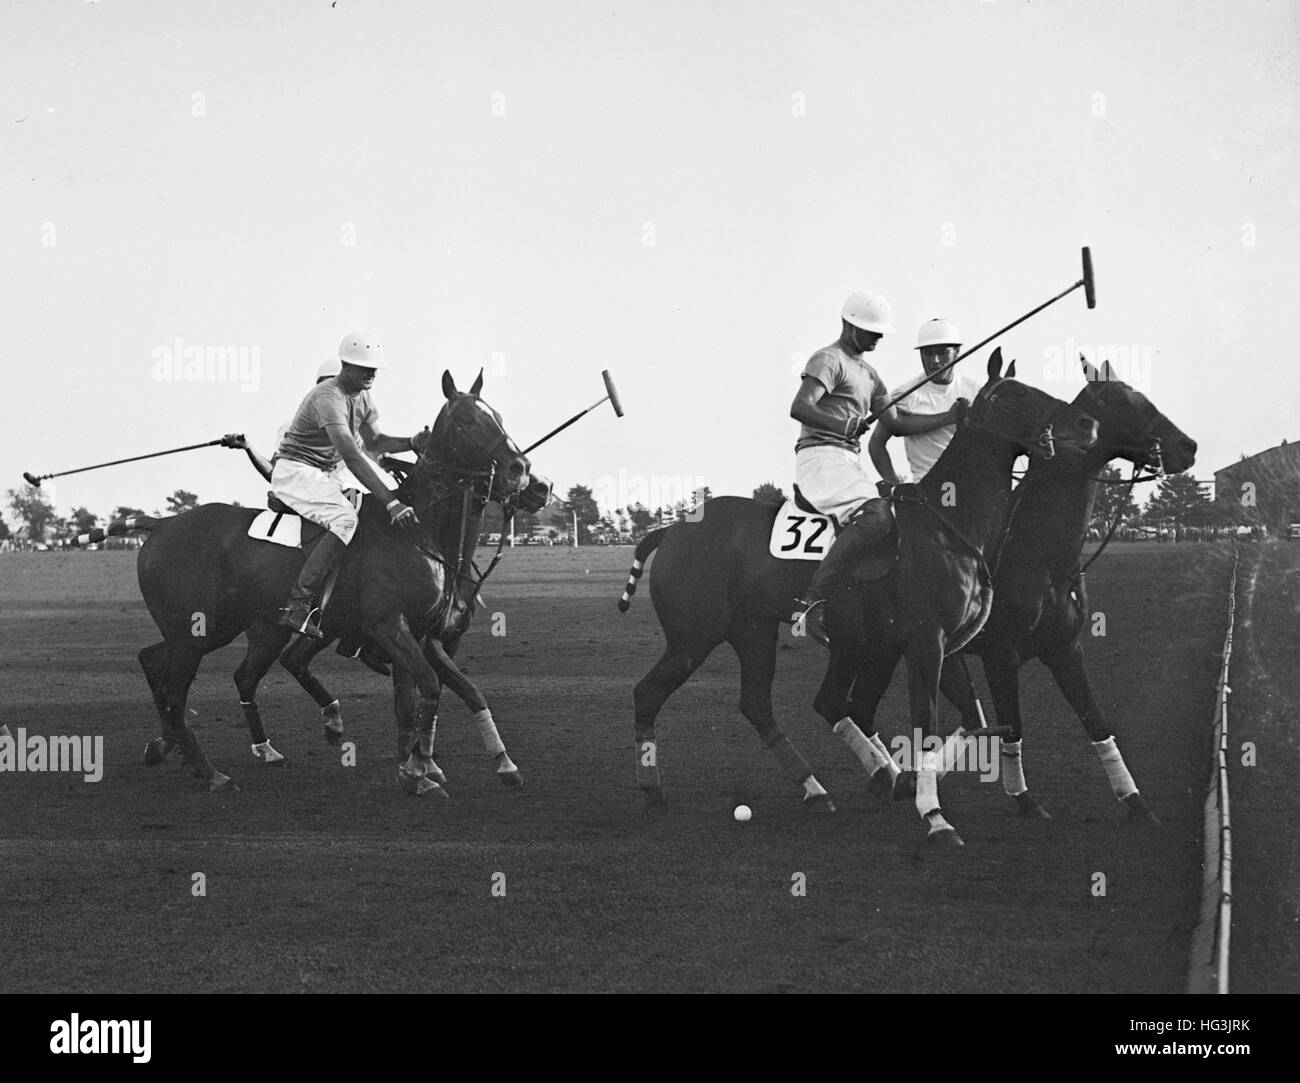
(317,495)
(833,480)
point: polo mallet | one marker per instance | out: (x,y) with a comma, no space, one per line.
(613,401)
(33,479)
(1089,285)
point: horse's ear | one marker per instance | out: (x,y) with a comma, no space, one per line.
(995,364)
(448,384)
(1107,373)
(1089,369)
(1011,371)
(477,385)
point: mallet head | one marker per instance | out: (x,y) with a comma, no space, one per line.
(613,392)
(32,479)
(1089,283)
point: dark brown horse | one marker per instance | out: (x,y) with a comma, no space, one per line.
(936,597)
(714,581)
(409,592)
(1040,599)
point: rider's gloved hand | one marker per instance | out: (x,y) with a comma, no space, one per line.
(860,427)
(884,488)
(401,514)
(420,439)
(958,410)
(235,440)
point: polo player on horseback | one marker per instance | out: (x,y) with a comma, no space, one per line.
(938,341)
(839,389)
(307,471)
(328,370)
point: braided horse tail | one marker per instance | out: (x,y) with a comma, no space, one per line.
(647,545)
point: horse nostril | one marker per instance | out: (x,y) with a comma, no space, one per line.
(516,469)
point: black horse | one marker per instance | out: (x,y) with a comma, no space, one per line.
(714,581)
(410,592)
(936,596)
(1040,600)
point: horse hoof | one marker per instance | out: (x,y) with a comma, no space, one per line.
(1138,813)
(334,731)
(218,781)
(904,788)
(512,779)
(1030,807)
(426,786)
(819,803)
(267,754)
(656,805)
(944,838)
(156,751)
(433,771)
(880,783)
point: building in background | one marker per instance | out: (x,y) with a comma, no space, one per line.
(1261,489)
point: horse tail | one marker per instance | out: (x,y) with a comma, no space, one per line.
(647,545)
(116,527)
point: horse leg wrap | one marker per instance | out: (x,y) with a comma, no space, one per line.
(927,786)
(792,764)
(954,751)
(487,729)
(647,762)
(426,733)
(1013,772)
(872,756)
(889,764)
(1121,782)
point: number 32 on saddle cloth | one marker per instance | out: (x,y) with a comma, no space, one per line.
(801,532)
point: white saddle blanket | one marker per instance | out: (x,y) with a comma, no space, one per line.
(273,526)
(798,535)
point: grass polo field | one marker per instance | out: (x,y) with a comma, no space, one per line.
(324,877)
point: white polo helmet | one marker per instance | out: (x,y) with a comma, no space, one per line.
(868,311)
(937,333)
(362,348)
(329,368)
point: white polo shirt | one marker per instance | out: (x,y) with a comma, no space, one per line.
(923,450)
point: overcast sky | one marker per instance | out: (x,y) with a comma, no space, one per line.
(682,193)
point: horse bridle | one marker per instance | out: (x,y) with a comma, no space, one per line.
(464,482)
(1046,438)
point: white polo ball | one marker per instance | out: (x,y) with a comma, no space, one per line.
(742,814)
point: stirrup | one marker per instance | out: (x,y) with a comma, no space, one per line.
(309,626)
(812,625)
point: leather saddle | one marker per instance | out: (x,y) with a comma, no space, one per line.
(308,531)
(277,505)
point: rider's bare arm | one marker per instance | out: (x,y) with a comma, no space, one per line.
(346,446)
(807,408)
(261,465)
(379,444)
(901,424)
(877,449)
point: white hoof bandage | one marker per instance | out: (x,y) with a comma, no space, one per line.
(1121,782)
(487,729)
(1013,773)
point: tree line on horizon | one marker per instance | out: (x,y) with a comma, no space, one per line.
(1179,499)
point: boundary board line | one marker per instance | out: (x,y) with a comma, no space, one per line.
(1208,971)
